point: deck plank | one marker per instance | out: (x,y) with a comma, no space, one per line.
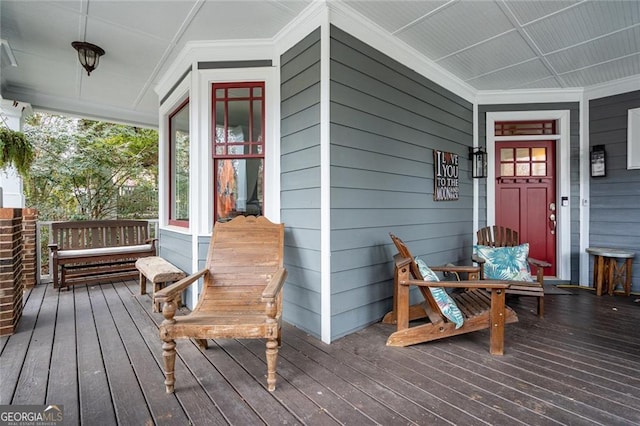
(469,400)
(346,402)
(164,408)
(129,402)
(245,385)
(580,365)
(15,350)
(192,397)
(35,369)
(96,404)
(356,372)
(296,391)
(62,388)
(366,358)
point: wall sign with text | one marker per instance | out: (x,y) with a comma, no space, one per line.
(445,176)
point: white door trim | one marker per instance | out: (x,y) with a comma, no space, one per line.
(563,187)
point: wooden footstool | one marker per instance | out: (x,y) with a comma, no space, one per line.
(159,272)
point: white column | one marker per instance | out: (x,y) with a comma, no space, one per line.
(11,191)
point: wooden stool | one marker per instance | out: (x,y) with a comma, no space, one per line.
(159,272)
(607,274)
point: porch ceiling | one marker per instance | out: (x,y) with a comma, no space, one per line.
(499,44)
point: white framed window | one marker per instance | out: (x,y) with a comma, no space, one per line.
(178,170)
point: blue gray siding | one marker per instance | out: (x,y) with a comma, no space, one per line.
(300,181)
(574,130)
(176,248)
(615,198)
(386,120)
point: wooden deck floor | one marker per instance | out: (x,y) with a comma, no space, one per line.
(96,350)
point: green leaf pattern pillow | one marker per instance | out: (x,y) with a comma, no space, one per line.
(505,263)
(446,304)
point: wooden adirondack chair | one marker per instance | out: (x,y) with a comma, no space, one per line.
(241,295)
(499,236)
(482,304)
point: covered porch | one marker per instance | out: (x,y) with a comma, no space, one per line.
(358,96)
(95,350)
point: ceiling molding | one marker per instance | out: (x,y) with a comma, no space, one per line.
(70,107)
(377,37)
(528,96)
(624,85)
(219,51)
(235,50)
(305,23)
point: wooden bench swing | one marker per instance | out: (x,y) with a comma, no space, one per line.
(93,251)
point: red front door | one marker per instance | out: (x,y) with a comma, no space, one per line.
(526,196)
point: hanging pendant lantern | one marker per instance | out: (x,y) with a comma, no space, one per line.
(88,54)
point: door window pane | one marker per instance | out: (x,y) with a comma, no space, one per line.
(539,154)
(523,169)
(506,154)
(522,154)
(539,169)
(506,169)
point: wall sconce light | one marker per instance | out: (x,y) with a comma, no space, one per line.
(478,157)
(88,54)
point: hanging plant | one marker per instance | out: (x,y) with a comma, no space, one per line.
(15,150)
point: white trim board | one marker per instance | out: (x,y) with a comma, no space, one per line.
(325,183)
(563,184)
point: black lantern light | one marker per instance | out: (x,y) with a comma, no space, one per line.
(88,54)
(478,157)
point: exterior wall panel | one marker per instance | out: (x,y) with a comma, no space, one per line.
(386,120)
(176,248)
(300,181)
(615,198)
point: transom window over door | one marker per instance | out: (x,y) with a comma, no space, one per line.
(238,149)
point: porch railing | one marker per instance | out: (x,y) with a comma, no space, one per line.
(43,238)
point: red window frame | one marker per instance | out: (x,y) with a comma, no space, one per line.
(176,222)
(522,128)
(253,145)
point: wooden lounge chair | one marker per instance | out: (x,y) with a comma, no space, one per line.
(241,295)
(499,236)
(482,304)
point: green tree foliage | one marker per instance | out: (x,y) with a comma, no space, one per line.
(91,170)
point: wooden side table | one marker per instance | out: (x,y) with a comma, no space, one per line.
(607,273)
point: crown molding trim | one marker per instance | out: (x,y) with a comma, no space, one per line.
(529,96)
(67,106)
(357,25)
(617,87)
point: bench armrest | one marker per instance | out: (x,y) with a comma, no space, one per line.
(401,261)
(171,292)
(538,263)
(539,266)
(53,247)
(275,286)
